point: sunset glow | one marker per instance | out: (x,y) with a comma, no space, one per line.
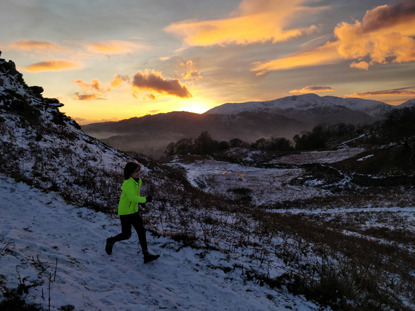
(149,58)
(196,107)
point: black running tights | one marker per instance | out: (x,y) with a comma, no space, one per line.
(136,221)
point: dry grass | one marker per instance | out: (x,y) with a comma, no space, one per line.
(337,260)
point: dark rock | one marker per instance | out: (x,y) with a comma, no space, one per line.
(37,90)
(52,102)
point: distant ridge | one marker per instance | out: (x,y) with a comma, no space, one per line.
(408,104)
(372,108)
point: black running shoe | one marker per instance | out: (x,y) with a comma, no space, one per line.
(150,257)
(108,246)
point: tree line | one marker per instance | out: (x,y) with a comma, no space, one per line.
(397,127)
(204,144)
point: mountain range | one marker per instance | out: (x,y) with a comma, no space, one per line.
(249,121)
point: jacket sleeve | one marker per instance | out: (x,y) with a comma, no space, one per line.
(131,194)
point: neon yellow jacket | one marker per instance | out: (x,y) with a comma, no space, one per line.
(130,197)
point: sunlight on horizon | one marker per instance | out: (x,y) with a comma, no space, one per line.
(196,107)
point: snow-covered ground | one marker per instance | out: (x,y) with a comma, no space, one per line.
(42,238)
(265,185)
(327,156)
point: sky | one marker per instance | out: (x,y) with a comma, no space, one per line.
(113,60)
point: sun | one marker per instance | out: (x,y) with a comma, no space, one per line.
(196,107)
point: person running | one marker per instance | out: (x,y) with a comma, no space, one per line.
(128,211)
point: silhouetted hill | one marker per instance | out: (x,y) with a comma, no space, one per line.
(151,134)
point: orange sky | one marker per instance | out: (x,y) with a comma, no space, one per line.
(154,57)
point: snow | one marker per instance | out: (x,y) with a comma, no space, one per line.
(366,157)
(408,104)
(267,185)
(326,156)
(42,238)
(304,102)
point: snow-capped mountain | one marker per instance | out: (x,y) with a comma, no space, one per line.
(306,102)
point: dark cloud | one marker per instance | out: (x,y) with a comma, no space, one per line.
(155,82)
(86,97)
(388,15)
(392,92)
(313,89)
(148,81)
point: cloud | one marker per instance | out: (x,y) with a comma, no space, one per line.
(191,72)
(405,91)
(322,55)
(148,81)
(385,34)
(360,65)
(53,65)
(29,45)
(86,97)
(252,22)
(150,96)
(112,47)
(386,16)
(119,80)
(154,82)
(313,89)
(94,86)
(90,91)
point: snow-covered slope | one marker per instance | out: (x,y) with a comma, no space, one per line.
(264,186)
(408,104)
(51,240)
(42,146)
(304,102)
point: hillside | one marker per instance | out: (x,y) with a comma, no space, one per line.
(57,251)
